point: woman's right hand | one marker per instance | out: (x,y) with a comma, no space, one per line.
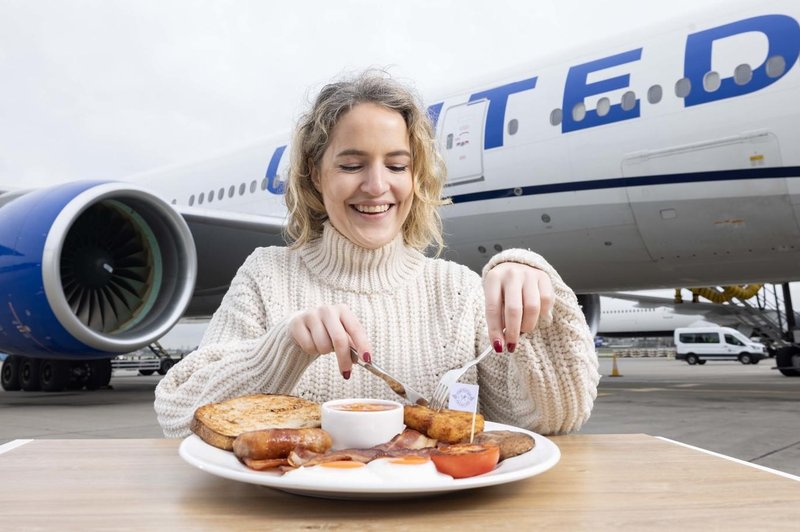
(328,328)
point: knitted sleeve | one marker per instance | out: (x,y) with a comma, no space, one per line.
(240,353)
(549,383)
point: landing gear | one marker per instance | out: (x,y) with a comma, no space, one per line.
(788,360)
(29,375)
(54,375)
(10,374)
(99,374)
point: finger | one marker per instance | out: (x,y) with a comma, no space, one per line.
(319,334)
(531,303)
(357,334)
(302,336)
(512,310)
(331,317)
(493,295)
(547,296)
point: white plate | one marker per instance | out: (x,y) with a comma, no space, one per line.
(542,457)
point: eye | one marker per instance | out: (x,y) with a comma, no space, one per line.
(397,167)
(350,167)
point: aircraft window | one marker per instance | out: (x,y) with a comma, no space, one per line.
(776,66)
(628,101)
(579,112)
(201,198)
(210,196)
(603,106)
(449,145)
(711,81)
(683,87)
(743,74)
(231,191)
(221,193)
(191,200)
(242,188)
(264,184)
(513,126)
(654,94)
(555,117)
(253,185)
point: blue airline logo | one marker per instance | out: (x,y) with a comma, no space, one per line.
(781,31)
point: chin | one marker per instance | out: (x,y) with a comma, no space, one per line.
(374,241)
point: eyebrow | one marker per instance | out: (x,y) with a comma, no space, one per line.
(352,151)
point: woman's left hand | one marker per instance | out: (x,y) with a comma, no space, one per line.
(517,296)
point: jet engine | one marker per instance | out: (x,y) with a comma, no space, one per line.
(89,270)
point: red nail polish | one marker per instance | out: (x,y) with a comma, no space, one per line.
(498,346)
(346,375)
(511,347)
(367,357)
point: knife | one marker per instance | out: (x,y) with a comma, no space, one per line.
(404,391)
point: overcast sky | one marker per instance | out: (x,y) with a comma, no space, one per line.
(109,88)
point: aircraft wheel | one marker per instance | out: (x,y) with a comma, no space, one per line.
(692,359)
(701,362)
(756,361)
(166,364)
(54,375)
(99,374)
(788,356)
(10,374)
(29,374)
(146,372)
(745,358)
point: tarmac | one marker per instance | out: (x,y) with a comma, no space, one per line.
(749,412)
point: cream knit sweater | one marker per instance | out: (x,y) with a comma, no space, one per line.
(423,317)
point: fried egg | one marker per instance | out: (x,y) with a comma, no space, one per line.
(408,470)
(336,473)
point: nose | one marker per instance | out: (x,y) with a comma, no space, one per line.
(375,182)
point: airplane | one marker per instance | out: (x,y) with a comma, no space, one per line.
(634,318)
(661,158)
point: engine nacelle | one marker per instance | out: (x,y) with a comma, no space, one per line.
(91,269)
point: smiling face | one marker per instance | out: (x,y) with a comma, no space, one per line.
(365,175)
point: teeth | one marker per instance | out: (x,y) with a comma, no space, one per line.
(372,209)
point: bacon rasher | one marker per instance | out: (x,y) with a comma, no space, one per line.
(408,442)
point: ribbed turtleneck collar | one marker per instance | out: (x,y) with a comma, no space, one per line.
(341,263)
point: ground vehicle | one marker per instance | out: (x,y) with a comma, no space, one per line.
(696,345)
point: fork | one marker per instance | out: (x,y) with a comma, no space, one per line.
(442,391)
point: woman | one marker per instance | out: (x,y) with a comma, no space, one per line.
(363,192)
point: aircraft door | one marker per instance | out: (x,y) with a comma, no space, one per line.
(461,141)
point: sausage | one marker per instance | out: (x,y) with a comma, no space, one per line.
(270,444)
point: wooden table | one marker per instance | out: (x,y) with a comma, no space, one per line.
(603,482)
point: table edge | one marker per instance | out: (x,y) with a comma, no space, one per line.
(732,459)
(13,444)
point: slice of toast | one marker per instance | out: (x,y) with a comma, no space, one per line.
(218,424)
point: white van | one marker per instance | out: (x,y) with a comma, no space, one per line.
(695,345)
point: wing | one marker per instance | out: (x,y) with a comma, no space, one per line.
(223,241)
(645,301)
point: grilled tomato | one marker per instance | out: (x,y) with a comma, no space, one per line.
(463,460)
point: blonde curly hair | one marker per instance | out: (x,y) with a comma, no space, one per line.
(306,210)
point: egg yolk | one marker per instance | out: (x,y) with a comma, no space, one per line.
(342,464)
(409,460)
